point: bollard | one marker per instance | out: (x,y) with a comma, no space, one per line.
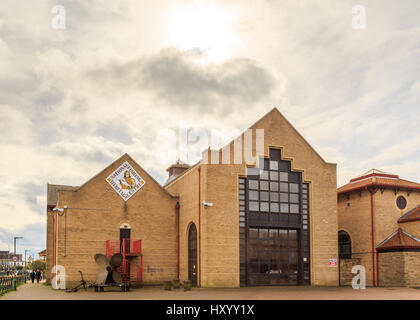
(168,285)
(14,284)
(187,285)
(176,283)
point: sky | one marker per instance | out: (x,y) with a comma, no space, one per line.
(119,76)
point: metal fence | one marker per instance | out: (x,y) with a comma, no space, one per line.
(11,282)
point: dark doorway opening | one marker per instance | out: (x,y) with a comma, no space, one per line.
(192,255)
(125,234)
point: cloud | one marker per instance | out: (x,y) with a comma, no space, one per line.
(33,239)
(178,78)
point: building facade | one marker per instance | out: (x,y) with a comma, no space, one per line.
(218,223)
(379,228)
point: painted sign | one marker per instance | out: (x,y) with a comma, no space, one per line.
(333,262)
(125,181)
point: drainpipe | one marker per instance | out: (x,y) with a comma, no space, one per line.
(177,240)
(199,227)
(56,241)
(53,240)
(373,235)
(377,268)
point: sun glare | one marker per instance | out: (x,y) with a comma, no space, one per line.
(206,29)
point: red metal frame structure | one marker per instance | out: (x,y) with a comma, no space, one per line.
(130,270)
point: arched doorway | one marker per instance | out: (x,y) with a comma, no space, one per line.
(344,245)
(192,254)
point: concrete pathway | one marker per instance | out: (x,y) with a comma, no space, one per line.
(36,291)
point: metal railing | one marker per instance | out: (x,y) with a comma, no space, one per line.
(11,282)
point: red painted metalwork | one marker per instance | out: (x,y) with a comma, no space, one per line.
(373,235)
(131,251)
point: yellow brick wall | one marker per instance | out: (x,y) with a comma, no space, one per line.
(220,223)
(387,213)
(391,269)
(412,269)
(95,213)
(356,220)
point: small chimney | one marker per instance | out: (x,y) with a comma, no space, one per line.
(176,170)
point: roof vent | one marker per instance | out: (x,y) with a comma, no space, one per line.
(176,170)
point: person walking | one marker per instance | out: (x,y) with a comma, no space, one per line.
(38,276)
(32,275)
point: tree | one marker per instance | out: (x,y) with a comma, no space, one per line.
(38,264)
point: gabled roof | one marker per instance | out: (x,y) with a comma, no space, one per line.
(52,193)
(132,160)
(380,179)
(52,189)
(400,239)
(412,215)
(272,112)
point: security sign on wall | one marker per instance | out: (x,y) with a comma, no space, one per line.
(125,181)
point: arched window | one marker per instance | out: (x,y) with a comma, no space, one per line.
(344,245)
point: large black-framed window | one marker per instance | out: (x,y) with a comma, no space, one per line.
(273,203)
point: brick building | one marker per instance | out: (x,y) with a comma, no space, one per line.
(218,224)
(379,228)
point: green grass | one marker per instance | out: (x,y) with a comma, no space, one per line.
(11,289)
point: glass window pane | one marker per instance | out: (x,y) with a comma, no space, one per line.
(294,187)
(263,233)
(284,176)
(283,234)
(253,184)
(273,233)
(253,206)
(274,196)
(274,165)
(294,198)
(284,187)
(263,185)
(253,233)
(253,195)
(264,206)
(274,175)
(274,186)
(264,175)
(274,207)
(294,208)
(284,208)
(284,197)
(264,196)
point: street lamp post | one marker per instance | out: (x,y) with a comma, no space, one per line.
(25,257)
(14,247)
